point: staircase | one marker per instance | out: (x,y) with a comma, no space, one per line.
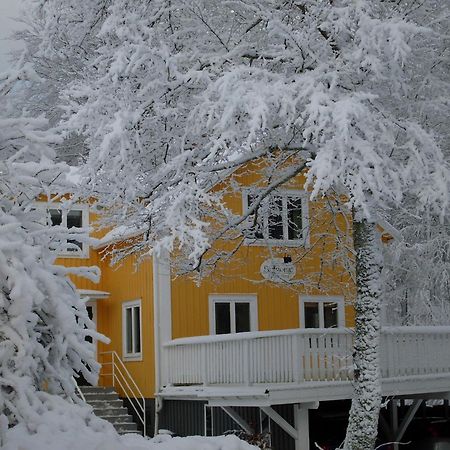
(108,406)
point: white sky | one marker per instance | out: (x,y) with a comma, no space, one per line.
(8,9)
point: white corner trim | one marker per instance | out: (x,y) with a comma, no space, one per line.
(162,311)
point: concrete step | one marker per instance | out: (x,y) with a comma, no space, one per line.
(126,428)
(110,412)
(108,396)
(119,419)
(100,404)
(96,389)
(108,406)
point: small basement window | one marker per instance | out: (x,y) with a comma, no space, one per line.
(131,328)
(232,314)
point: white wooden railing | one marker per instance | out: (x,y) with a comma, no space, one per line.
(301,355)
(122,379)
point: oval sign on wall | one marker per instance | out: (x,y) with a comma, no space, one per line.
(275,269)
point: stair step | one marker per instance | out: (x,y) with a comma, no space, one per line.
(110,412)
(100,404)
(126,428)
(119,419)
(96,389)
(108,406)
(109,396)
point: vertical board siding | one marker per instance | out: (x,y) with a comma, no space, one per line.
(319,271)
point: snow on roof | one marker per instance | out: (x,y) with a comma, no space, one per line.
(92,293)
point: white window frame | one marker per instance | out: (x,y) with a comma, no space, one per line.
(284,193)
(252,299)
(321,300)
(47,206)
(133,356)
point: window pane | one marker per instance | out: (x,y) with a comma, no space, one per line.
(128,331)
(55,217)
(90,311)
(256,219)
(294,205)
(276,218)
(312,315)
(74,220)
(242,312)
(137,329)
(223,322)
(330,315)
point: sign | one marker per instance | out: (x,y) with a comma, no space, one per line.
(276,269)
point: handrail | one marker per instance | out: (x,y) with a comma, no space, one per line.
(121,370)
(77,388)
(207,339)
(251,335)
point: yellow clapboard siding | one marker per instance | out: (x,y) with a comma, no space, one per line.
(126,284)
(321,270)
(278,305)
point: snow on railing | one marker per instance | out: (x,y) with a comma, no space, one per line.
(296,356)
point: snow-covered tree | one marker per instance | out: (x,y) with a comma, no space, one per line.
(177,94)
(417,270)
(43,321)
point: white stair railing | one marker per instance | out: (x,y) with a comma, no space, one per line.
(122,378)
(77,388)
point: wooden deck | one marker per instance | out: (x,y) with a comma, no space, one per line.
(302,365)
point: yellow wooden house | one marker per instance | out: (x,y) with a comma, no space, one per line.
(260,343)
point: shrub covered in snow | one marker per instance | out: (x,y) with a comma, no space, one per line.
(73,427)
(43,322)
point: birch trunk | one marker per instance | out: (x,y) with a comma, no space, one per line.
(363,421)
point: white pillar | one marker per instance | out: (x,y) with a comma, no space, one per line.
(301,418)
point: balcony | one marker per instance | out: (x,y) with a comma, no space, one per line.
(301,365)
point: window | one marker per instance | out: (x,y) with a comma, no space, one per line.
(280,218)
(70,219)
(232,314)
(131,329)
(322,312)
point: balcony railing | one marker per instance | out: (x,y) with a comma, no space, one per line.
(298,356)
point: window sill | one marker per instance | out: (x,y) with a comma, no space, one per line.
(84,254)
(275,243)
(137,357)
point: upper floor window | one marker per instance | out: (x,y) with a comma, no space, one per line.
(232,314)
(73,219)
(281,218)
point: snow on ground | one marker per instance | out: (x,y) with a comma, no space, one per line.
(73,427)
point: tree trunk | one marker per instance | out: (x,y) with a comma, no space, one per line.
(363,421)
